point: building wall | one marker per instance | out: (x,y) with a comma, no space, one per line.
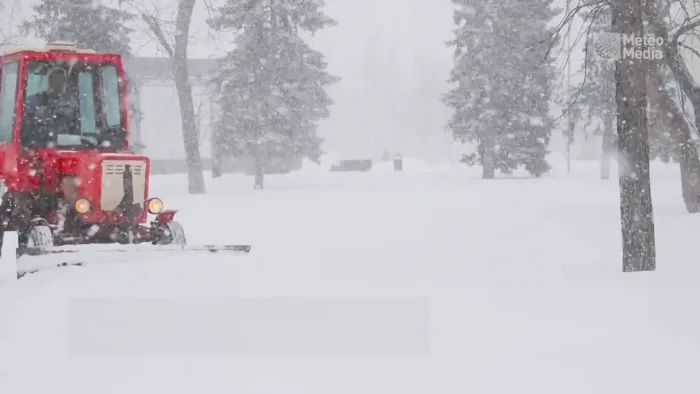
(161,132)
(161,127)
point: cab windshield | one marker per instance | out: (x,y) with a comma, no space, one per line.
(72,104)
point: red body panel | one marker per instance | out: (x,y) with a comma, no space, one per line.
(166,216)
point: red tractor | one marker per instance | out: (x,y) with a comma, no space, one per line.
(69,175)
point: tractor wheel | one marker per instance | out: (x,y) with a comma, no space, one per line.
(40,237)
(174,234)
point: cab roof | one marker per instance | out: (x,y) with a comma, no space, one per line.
(51,47)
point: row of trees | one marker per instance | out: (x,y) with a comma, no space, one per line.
(672,118)
(639,107)
(503,80)
(271,86)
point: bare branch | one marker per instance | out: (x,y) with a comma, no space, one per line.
(685,28)
(691,49)
(590,18)
(156,29)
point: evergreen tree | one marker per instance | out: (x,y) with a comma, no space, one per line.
(503,83)
(272,85)
(88,24)
(84,22)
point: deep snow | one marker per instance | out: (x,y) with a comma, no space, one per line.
(430,280)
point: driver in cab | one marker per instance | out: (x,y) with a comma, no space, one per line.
(51,112)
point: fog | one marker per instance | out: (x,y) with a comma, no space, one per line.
(393,63)
(392,59)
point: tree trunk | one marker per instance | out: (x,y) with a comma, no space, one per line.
(178,55)
(259,175)
(680,131)
(216,162)
(669,115)
(569,142)
(680,71)
(637,219)
(608,150)
(215,139)
(136,142)
(190,134)
(488,159)
(686,154)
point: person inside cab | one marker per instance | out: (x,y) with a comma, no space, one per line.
(51,112)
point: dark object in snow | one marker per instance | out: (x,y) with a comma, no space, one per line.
(386,156)
(352,166)
(398,163)
(258,185)
(22,271)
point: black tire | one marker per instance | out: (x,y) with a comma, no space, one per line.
(173,234)
(40,237)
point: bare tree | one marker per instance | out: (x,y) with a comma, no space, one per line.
(672,28)
(680,130)
(10,33)
(638,239)
(178,54)
(636,209)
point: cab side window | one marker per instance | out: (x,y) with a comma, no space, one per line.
(110,84)
(8,93)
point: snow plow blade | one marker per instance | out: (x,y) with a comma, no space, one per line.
(16,262)
(133,248)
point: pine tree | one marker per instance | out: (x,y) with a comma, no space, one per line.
(503,83)
(272,85)
(86,23)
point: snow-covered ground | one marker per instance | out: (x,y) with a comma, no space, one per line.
(426,281)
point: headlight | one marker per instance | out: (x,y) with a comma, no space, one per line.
(82,206)
(155,206)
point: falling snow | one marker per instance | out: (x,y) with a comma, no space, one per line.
(416,93)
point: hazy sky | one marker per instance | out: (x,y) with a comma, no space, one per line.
(392,60)
(391,56)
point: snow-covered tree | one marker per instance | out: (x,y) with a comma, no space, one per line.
(273,84)
(84,22)
(502,77)
(88,24)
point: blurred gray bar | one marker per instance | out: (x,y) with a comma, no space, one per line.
(268,327)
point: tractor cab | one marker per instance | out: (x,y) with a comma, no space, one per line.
(72,104)
(69,175)
(63,97)
(64,142)
(59,104)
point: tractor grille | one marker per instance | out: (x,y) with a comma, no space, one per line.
(113,182)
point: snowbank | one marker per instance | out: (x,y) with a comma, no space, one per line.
(326,162)
(518,281)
